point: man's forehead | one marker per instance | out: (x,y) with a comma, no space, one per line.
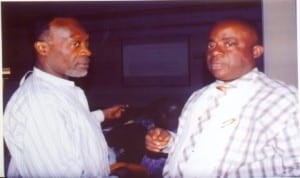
(230,32)
(233,27)
(223,34)
(62,32)
(69,32)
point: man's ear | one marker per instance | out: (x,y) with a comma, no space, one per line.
(41,47)
(257,51)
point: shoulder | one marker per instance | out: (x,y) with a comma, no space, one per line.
(201,91)
(277,88)
(31,94)
(274,98)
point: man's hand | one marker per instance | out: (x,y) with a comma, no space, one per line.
(157,139)
(114,112)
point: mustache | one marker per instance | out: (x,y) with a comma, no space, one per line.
(84,61)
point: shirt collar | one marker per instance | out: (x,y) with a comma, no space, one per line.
(242,80)
(51,78)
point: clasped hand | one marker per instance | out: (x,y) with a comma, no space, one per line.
(157,139)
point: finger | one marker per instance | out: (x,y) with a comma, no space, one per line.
(149,140)
(154,133)
(123,106)
(159,134)
(153,147)
(154,143)
(164,136)
(156,146)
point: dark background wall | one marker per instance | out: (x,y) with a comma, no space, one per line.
(109,25)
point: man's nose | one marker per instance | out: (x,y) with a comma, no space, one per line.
(86,51)
(216,51)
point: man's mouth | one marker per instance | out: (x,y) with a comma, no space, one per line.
(216,66)
(84,64)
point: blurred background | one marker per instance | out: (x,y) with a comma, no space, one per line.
(142,50)
(148,54)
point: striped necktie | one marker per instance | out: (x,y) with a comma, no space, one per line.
(205,116)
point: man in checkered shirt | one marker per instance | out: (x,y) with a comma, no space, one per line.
(242,125)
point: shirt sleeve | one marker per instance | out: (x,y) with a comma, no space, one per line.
(170,144)
(98,115)
(288,146)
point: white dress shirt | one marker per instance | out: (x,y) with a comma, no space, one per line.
(244,135)
(50,131)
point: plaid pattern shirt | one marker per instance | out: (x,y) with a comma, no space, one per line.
(264,143)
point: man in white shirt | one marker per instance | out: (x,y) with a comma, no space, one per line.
(48,127)
(242,125)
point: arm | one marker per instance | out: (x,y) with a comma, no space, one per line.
(285,134)
(161,140)
(46,145)
(288,147)
(281,149)
(114,112)
(278,137)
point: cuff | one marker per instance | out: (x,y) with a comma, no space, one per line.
(98,115)
(170,143)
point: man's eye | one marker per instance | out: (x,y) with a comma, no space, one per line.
(230,43)
(211,45)
(76,44)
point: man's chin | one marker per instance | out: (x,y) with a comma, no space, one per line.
(76,74)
